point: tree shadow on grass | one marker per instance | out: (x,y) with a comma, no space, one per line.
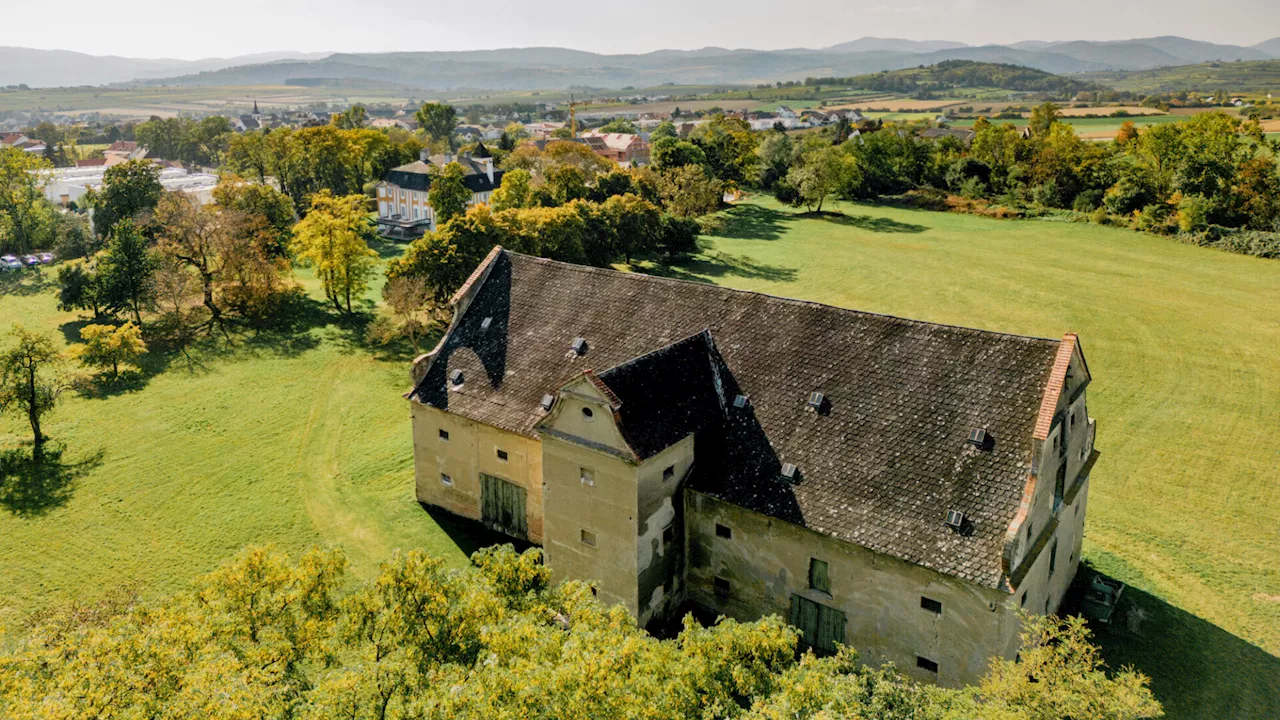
(707,266)
(752,222)
(1197,669)
(868,222)
(470,535)
(30,487)
(26,282)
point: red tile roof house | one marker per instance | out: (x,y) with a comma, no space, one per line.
(900,486)
(626,149)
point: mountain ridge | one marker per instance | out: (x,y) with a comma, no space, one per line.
(548,67)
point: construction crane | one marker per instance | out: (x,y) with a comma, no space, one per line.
(573,116)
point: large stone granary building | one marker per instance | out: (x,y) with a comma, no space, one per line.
(899,486)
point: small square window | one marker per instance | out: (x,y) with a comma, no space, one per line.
(502,455)
(444,435)
(668,535)
(925,663)
(586,477)
(819,579)
(724,532)
(668,473)
(1053,558)
(446,480)
(722,586)
(931,605)
(589,538)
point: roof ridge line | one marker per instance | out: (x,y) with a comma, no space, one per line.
(658,278)
(655,351)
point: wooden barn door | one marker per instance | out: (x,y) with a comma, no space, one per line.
(821,627)
(502,506)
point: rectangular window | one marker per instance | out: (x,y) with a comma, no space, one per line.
(1023,602)
(819,579)
(589,538)
(668,473)
(668,536)
(722,587)
(444,435)
(925,663)
(1030,526)
(931,605)
(586,477)
(724,532)
(502,455)
(1053,558)
(446,480)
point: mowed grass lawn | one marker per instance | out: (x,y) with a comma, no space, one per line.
(299,437)
(296,437)
(1184,347)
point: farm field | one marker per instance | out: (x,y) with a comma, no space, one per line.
(1102,128)
(299,436)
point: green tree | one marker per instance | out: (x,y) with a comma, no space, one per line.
(566,183)
(448,195)
(618,125)
(688,191)
(776,152)
(81,287)
(31,381)
(333,238)
(730,149)
(110,346)
(672,153)
(1043,118)
(665,129)
(437,120)
(127,271)
(354,118)
(129,190)
(25,216)
(514,192)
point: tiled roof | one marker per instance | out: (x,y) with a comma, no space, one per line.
(879,465)
(417,174)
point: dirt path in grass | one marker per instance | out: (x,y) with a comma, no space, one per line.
(320,474)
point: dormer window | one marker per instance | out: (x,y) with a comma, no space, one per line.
(579,346)
(485,323)
(455,378)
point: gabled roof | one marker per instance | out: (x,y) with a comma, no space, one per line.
(880,465)
(417,174)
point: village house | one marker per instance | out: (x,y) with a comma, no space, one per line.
(626,149)
(903,487)
(403,210)
(22,142)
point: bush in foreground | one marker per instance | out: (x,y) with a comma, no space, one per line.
(262,637)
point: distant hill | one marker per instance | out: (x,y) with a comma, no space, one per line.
(63,68)
(1271,47)
(870,44)
(1236,77)
(548,67)
(1152,52)
(968,74)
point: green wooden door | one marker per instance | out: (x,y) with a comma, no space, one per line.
(820,627)
(502,506)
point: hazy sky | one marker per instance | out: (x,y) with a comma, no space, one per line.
(164,28)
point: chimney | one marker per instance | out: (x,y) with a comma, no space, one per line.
(488,168)
(424,155)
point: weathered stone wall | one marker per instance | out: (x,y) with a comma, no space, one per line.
(767,560)
(470,450)
(660,541)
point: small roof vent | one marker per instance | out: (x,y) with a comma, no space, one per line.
(547,402)
(815,400)
(978,437)
(955,519)
(789,472)
(485,323)
(740,401)
(455,377)
(579,346)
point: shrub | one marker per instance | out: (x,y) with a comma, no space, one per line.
(1088,201)
(1193,213)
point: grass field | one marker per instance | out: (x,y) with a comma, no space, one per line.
(299,436)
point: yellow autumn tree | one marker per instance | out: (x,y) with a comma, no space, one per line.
(107,346)
(334,239)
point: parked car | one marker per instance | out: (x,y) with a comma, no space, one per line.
(45,258)
(1101,598)
(30,260)
(9,262)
